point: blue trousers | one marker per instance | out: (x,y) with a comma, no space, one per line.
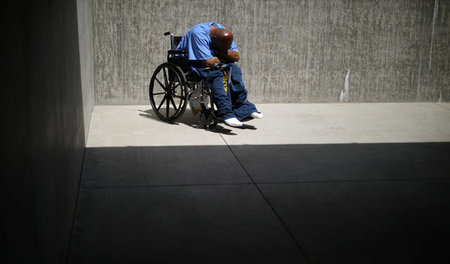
(229,94)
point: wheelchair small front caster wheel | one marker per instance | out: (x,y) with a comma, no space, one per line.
(207,120)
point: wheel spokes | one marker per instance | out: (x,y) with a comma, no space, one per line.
(167,90)
(160,83)
(175,86)
(162,101)
(167,107)
(173,103)
(165,78)
(169,86)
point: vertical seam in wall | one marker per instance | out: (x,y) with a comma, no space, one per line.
(308,49)
(94,55)
(430,54)
(435,13)
(253,69)
(123,49)
(419,78)
(433,23)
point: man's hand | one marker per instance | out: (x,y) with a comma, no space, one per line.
(228,56)
(222,57)
(211,62)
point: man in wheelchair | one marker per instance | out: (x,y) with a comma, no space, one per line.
(212,52)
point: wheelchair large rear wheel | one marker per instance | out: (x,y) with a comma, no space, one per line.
(168,92)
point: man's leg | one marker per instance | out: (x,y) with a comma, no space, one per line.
(242,108)
(218,83)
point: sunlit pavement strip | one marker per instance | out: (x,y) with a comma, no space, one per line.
(137,125)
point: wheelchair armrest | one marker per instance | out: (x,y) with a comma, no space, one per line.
(171,52)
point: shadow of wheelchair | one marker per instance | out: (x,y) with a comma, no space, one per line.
(189,119)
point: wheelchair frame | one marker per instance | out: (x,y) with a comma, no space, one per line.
(174,84)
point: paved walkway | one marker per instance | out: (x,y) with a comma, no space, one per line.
(282,124)
(291,188)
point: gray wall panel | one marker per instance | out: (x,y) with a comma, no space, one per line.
(292,51)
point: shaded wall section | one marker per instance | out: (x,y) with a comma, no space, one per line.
(84,11)
(291,51)
(42,129)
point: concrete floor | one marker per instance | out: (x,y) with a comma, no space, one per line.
(282,124)
(290,188)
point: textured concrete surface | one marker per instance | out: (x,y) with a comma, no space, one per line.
(292,51)
(137,125)
(42,129)
(86,43)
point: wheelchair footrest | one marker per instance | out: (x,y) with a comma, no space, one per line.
(208,119)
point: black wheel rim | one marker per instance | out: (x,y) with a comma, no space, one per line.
(167,92)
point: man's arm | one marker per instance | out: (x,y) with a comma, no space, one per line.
(230,56)
(211,62)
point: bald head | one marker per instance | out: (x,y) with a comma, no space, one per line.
(221,38)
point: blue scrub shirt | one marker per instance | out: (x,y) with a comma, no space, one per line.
(197,42)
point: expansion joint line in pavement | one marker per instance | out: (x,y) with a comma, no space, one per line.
(75,211)
(267,202)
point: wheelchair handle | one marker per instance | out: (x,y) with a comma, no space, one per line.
(168,33)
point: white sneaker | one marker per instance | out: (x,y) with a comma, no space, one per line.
(233,122)
(257,115)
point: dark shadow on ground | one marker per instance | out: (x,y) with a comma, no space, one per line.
(337,203)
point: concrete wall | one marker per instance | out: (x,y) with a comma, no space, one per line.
(86,43)
(42,129)
(292,51)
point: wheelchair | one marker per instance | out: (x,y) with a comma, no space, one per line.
(175,83)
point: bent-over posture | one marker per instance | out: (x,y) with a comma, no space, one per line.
(211,44)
